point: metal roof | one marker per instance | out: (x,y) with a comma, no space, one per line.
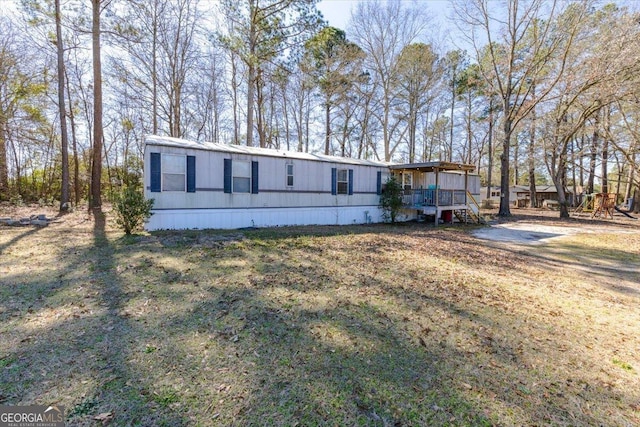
(432,166)
(243,149)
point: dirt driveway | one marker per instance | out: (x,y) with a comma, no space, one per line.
(539,227)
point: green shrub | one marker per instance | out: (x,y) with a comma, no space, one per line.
(391,199)
(131,209)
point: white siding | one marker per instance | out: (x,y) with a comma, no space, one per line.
(182,219)
(308,201)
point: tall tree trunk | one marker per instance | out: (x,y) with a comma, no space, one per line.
(74,148)
(4,169)
(251,79)
(490,149)
(285,103)
(16,160)
(260,109)
(327,126)
(560,179)
(453,106)
(593,154)
(630,175)
(234,96)
(64,193)
(177,132)
(412,134)
(385,127)
(299,124)
(469,135)
(516,160)
(251,71)
(605,151)
(582,138)
(504,168)
(573,171)
(96,166)
(533,196)
(154,68)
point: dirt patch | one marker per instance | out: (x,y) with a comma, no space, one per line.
(539,226)
(524,233)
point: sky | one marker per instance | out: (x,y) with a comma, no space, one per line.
(338,12)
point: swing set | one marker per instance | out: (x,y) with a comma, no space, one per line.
(600,205)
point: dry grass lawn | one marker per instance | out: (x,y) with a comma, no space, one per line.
(367,325)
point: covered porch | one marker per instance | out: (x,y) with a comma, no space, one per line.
(439,189)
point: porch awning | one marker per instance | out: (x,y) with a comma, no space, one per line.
(433,166)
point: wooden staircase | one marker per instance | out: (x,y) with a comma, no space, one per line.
(469,215)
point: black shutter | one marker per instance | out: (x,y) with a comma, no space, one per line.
(156,173)
(254,177)
(379,183)
(350,182)
(191,174)
(334,181)
(227,175)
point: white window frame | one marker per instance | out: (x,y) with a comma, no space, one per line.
(344,182)
(407,184)
(289,173)
(167,170)
(236,174)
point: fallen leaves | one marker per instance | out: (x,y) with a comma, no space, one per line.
(105,418)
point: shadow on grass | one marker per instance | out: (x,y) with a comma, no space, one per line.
(339,362)
(306,346)
(74,345)
(122,391)
(267,330)
(27,233)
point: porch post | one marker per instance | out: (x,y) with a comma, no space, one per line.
(466,186)
(437,185)
(437,190)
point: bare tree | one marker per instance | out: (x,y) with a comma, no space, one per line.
(97,7)
(335,65)
(510,60)
(259,32)
(8,101)
(612,75)
(418,72)
(382,30)
(64,136)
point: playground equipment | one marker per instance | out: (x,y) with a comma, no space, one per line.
(600,205)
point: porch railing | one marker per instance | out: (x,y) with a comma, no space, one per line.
(427,197)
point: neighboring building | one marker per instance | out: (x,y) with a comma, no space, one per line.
(206,185)
(519,194)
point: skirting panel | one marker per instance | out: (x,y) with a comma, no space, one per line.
(184,219)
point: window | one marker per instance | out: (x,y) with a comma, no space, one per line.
(241,177)
(495,194)
(343,181)
(382,180)
(289,175)
(407,180)
(174,172)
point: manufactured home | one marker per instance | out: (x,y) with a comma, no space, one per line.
(207,185)
(519,195)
